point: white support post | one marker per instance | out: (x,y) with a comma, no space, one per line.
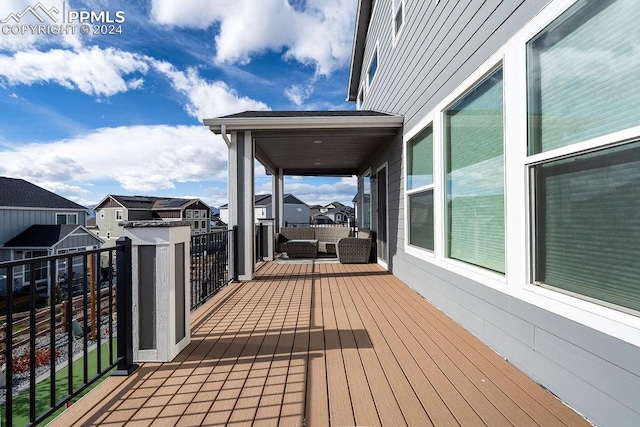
(241,202)
(277,200)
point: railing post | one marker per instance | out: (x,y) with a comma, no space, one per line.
(124,298)
(260,255)
(9,349)
(235,253)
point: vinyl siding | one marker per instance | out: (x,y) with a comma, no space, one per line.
(15,221)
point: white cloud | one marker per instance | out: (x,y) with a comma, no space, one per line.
(93,71)
(103,72)
(142,159)
(206,99)
(298,93)
(318,191)
(319,35)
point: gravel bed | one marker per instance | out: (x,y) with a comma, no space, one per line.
(21,380)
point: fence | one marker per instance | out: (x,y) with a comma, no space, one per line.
(22,328)
(212,264)
(66,338)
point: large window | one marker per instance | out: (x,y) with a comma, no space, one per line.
(420,189)
(583,75)
(582,84)
(474,134)
(588,225)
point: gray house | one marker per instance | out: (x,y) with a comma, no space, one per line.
(114,209)
(503,177)
(36,222)
(295,210)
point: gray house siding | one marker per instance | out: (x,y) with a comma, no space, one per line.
(77,241)
(596,373)
(295,213)
(15,221)
(435,56)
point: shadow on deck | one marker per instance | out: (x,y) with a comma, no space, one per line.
(324,344)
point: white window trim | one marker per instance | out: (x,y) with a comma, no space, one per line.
(367,175)
(410,249)
(375,54)
(516,281)
(396,33)
(121,215)
(101,213)
(360,97)
(385,165)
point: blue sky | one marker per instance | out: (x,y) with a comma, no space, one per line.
(89,115)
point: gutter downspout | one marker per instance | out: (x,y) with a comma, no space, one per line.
(223,132)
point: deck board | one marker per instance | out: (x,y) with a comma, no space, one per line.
(323,344)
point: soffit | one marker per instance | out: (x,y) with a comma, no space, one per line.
(287,140)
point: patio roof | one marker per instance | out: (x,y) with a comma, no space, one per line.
(312,142)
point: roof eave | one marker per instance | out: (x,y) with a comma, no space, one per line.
(357,52)
(323,122)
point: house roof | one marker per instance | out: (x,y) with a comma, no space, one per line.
(43,236)
(15,192)
(151,202)
(316,143)
(363,16)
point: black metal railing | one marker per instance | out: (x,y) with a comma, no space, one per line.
(313,224)
(212,264)
(58,328)
(259,242)
(350,224)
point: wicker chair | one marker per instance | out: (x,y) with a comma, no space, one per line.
(354,250)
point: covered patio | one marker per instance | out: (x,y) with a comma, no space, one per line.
(303,143)
(318,344)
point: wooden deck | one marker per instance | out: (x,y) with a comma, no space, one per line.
(319,345)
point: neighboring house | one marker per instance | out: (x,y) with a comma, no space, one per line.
(114,209)
(36,222)
(295,210)
(341,215)
(334,212)
(503,177)
(315,210)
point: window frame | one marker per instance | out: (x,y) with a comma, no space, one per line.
(415,250)
(396,9)
(67,215)
(469,89)
(517,280)
(370,79)
(627,136)
(119,213)
(360,98)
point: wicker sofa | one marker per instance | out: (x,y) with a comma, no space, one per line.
(327,237)
(355,250)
